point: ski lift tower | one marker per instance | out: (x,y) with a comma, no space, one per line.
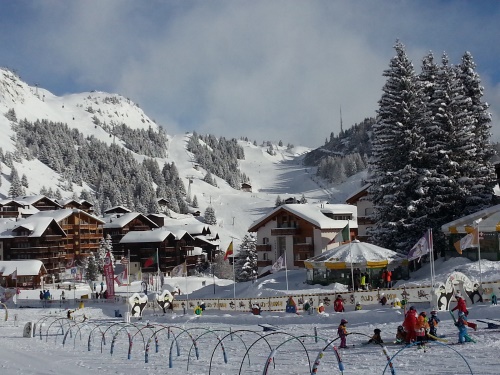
(190,179)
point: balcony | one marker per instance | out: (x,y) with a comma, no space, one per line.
(284,231)
(303,248)
(263,247)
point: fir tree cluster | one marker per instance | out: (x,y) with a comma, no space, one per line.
(112,171)
(245,267)
(219,157)
(431,150)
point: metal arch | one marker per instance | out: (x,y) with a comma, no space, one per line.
(143,341)
(71,325)
(102,335)
(233,333)
(61,326)
(208,330)
(112,325)
(277,333)
(434,342)
(170,362)
(80,326)
(41,321)
(6,311)
(290,339)
(146,353)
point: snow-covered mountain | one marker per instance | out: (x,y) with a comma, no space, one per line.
(95,114)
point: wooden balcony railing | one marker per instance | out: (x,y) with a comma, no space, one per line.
(263,247)
(284,231)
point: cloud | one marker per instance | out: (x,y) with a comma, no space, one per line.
(277,70)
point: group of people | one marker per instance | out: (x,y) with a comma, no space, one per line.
(361,280)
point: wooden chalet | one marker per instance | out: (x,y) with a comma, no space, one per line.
(28,274)
(117,226)
(173,248)
(364,207)
(300,231)
(246,187)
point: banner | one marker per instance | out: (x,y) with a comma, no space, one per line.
(278,265)
(421,248)
(179,270)
(109,276)
(470,240)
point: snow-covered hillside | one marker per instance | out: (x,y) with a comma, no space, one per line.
(95,113)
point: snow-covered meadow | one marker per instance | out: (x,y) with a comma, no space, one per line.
(191,344)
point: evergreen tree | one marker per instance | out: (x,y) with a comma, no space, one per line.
(91,268)
(303,199)
(278,201)
(16,188)
(24,181)
(222,268)
(209,216)
(395,151)
(245,267)
(105,245)
(195,202)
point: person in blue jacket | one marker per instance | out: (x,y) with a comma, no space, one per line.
(462,327)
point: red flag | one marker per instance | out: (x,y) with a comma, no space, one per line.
(229,251)
(151,260)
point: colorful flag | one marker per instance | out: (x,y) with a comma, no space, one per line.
(70,262)
(121,278)
(279,264)
(470,240)
(229,251)
(179,270)
(344,234)
(421,248)
(152,260)
(13,275)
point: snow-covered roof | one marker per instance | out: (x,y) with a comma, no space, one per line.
(156,235)
(36,225)
(315,215)
(32,199)
(117,208)
(355,252)
(121,220)
(490,216)
(28,267)
(363,188)
(59,215)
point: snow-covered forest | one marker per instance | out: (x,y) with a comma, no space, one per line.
(431,149)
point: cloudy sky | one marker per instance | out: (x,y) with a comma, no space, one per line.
(268,70)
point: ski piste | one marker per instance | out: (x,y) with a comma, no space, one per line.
(467,337)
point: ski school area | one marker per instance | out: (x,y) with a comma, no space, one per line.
(93,335)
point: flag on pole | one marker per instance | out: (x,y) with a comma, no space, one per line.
(421,248)
(470,240)
(179,270)
(151,260)
(278,265)
(122,277)
(229,251)
(344,234)
(13,275)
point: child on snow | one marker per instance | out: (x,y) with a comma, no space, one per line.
(433,323)
(400,335)
(342,332)
(376,338)
(321,308)
(462,327)
(421,328)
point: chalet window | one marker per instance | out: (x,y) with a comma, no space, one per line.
(264,256)
(265,240)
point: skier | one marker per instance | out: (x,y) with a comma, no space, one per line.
(433,323)
(461,306)
(421,329)
(462,327)
(409,324)
(376,338)
(338,304)
(342,332)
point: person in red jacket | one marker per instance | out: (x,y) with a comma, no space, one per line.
(338,304)
(461,306)
(410,324)
(388,279)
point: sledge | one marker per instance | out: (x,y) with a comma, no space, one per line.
(492,324)
(268,327)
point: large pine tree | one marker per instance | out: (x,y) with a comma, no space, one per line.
(245,267)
